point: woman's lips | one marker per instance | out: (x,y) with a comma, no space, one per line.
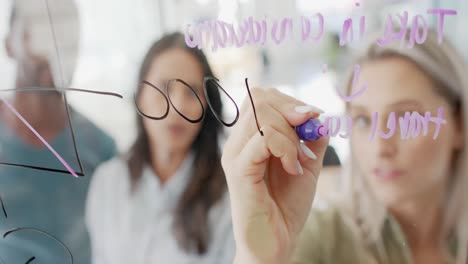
(387,174)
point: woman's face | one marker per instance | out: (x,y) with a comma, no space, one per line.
(401,170)
(173,133)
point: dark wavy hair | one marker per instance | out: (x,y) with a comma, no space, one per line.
(207,183)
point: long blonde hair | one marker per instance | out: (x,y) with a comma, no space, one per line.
(365,214)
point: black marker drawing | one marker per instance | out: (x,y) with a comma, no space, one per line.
(168,86)
(3,208)
(215,81)
(14,230)
(205,91)
(253,106)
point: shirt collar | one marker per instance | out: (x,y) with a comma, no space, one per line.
(175,185)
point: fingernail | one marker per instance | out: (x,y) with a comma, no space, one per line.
(308,108)
(309,153)
(299,168)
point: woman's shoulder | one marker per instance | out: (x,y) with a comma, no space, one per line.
(108,192)
(106,202)
(117,164)
(326,238)
(326,222)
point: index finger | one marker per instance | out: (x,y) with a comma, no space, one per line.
(267,107)
(295,111)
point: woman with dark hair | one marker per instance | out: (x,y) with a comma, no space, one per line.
(166,200)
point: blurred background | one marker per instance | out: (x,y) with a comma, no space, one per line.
(116,33)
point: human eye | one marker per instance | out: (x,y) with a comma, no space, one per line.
(361,120)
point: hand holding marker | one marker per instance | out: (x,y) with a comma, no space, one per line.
(272,175)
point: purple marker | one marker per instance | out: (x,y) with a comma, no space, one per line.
(309,131)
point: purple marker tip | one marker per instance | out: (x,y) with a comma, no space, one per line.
(309,131)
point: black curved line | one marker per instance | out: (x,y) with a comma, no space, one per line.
(41,232)
(253,106)
(148,116)
(72,131)
(3,207)
(215,80)
(54,37)
(30,259)
(62,90)
(199,100)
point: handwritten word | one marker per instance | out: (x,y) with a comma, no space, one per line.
(206,81)
(349,98)
(410,125)
(331,126)
(305,23)
(418,24)
(168,100)
(251,32)
(258,32)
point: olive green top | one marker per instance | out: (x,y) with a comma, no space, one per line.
(327,239)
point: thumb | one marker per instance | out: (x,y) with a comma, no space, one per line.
(318,149)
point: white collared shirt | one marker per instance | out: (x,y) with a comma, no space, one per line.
(136,227)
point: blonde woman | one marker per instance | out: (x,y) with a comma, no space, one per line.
(405,201)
